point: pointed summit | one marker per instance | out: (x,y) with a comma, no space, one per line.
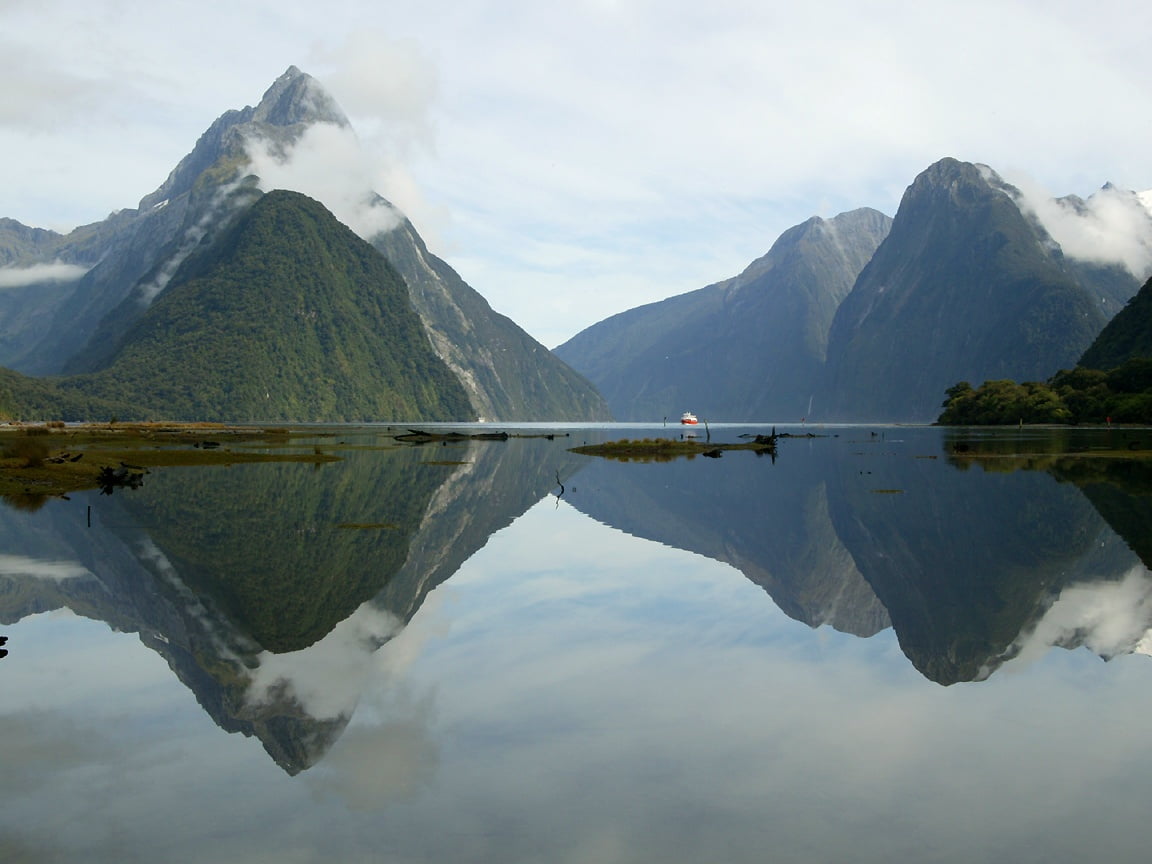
(294,102)
(296,97)
(137,254)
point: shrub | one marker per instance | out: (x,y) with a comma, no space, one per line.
(32,451)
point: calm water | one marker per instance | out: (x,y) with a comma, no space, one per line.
(880,646)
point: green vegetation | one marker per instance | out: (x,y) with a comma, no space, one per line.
(1080,395)
(288,316)
(286,552)
(1000,403)
(1128,335)
(1111,383)
(24,398)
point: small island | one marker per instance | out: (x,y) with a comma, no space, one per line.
(667,449)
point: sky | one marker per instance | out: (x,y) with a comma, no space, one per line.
(573,160)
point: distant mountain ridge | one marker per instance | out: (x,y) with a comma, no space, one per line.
(967,282)
(750,347)
(128,261)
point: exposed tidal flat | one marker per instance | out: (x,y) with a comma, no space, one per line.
(474,649)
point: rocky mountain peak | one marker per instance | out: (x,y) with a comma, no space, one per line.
(297,97)
(952,183)
(294,102)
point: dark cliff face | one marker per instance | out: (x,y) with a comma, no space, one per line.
(748,348)
(965,287)
(508,375)
(863,319)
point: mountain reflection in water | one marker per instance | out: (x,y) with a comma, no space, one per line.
(277,593)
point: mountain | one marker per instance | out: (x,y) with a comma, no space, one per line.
(507,373)
(287,316)
(121,266)
(1125,337)
(861,318)
(131,255)
(967,286)
(749,348)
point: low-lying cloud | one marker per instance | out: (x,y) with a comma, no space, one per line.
(57,271)
(150,290)
(1113,226)
(326,163)
(38,568)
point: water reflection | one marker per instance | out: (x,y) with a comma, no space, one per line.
(266,588)
(456,665)
(961,555)
(269,590)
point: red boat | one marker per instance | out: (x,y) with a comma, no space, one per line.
(688,419)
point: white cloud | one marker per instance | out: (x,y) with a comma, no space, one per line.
(326,163)
(52,570)
(1113,226)
(1109,618)
(57,271)
(327,677)
(193,234)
